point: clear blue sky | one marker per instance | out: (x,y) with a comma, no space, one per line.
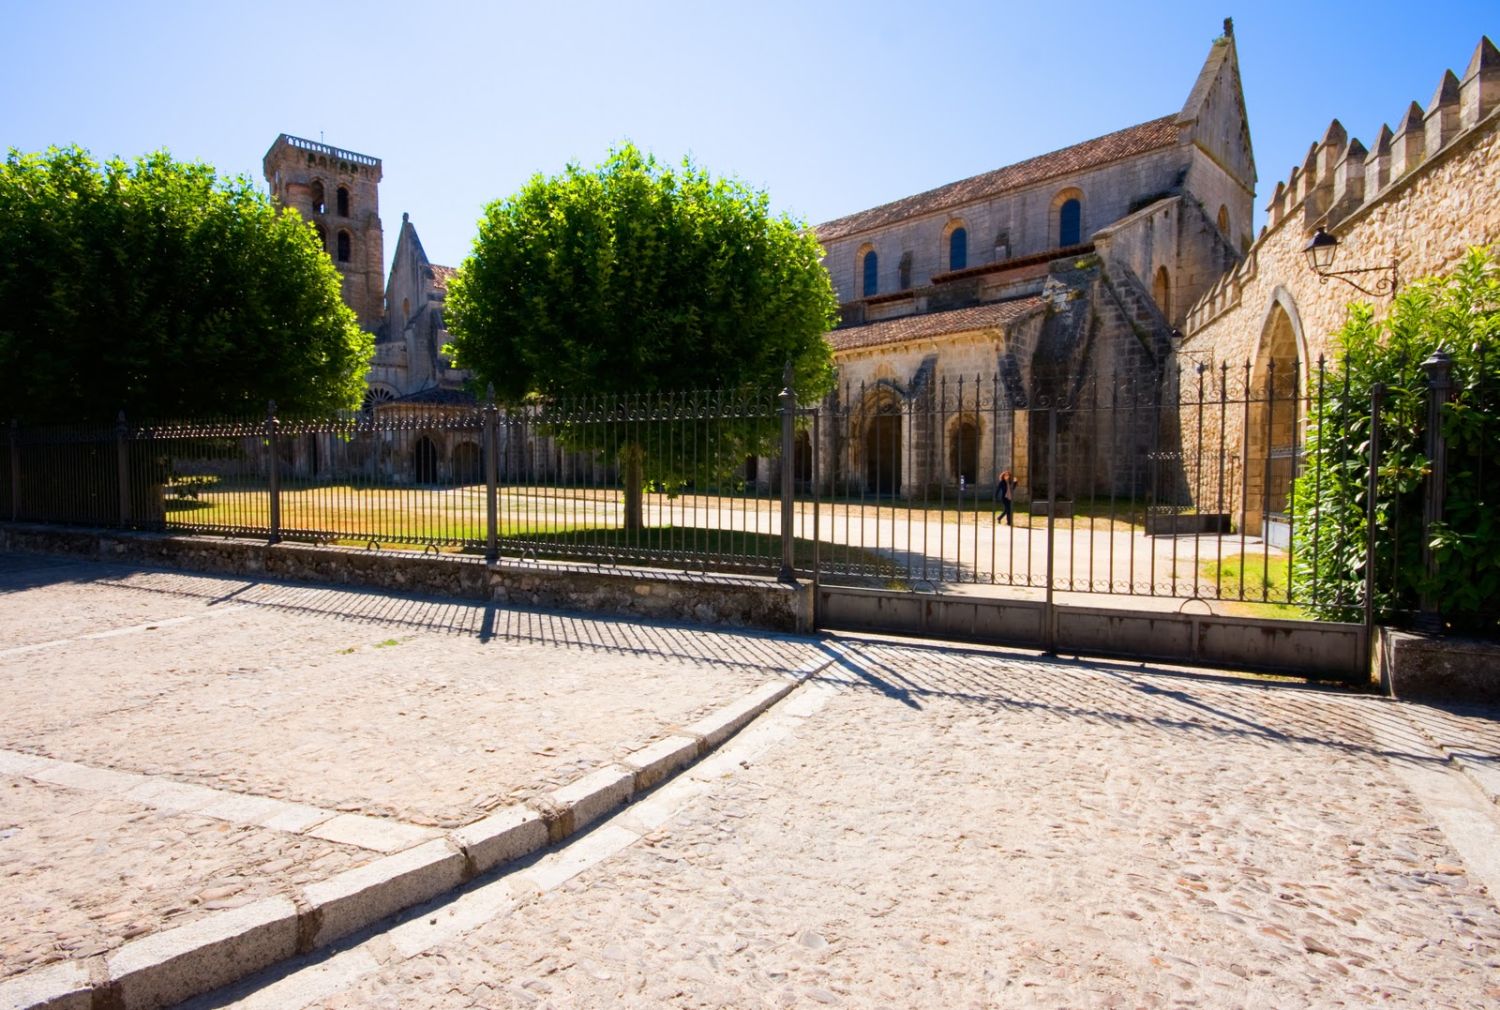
(830,107)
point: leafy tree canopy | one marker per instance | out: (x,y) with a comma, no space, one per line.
(633,277)
(157,288)
(1459,314)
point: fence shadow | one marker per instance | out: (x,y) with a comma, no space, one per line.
(484,620)
(1274,714)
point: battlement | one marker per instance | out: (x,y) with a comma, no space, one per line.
(1340,177)
(332,152)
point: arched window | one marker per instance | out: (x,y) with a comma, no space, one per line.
(1161,291)
(343,255)
(1070,222)
(903,271)
(1224,220)
(317,196)
(871,270)
(405,311)
(958,248)
(343,202)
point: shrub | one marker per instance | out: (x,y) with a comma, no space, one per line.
(1459,314)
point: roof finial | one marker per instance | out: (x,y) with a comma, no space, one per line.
(1229,28)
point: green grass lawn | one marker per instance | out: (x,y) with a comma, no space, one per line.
(1263,582)
(533,522)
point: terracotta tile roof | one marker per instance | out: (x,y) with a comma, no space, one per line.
(440,276)
(1156,134)
(993,315)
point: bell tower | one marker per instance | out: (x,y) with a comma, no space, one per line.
(339,192)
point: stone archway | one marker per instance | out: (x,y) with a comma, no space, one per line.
(467,463)
(883,453)
(424,461)
(963,451)
(1273,438)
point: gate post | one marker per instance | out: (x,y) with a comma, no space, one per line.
(788,441)
(1377,399)
(122,466)
(491,480)
(1439,370)
(273,472)
(15,470)
(817,558)
(1049,615)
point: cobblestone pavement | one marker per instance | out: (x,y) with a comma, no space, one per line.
(924,827)
(173,743)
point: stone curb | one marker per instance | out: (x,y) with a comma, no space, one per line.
(176,964)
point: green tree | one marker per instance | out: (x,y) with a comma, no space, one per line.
(634,278)
(157,288)
(1459,314)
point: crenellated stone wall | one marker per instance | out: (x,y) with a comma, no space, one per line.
(1409,206)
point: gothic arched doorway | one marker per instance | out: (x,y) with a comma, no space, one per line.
(963,452)
(883,453)
(466,463)
(802,460)
(1273,449)
(424,461)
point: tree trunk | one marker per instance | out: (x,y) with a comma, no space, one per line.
(633,460)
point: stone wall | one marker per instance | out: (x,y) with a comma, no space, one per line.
(734,601)
(1418,199)
(1023,217)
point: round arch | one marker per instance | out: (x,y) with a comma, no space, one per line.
(963,435)
(1066,217)
(866,271)
(955,247)
(879,431)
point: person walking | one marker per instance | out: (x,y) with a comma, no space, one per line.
(1004,489)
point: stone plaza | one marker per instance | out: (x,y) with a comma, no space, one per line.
(716,818)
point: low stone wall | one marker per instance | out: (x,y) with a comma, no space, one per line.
(728,600)
(1424,668)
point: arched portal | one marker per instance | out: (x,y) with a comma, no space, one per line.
(1161,291)
(424,461)
(963,452)
(1273,438)
(882,438)
(466,463)
(802,460)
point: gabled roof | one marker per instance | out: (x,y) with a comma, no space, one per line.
(1134,140)
(992,315)
(440,276)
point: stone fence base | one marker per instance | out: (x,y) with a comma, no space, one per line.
(725,600)
(1437,669)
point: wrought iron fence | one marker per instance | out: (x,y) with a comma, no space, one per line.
(1175,488)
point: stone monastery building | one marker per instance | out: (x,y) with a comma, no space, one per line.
(1105,266)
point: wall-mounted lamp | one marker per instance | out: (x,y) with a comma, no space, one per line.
(1320,253)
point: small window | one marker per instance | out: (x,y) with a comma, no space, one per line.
(1224,220)
(872,274)
(343,247)
(958,249)
(343,202)
(1070,223)
(903,271)
(317,196)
